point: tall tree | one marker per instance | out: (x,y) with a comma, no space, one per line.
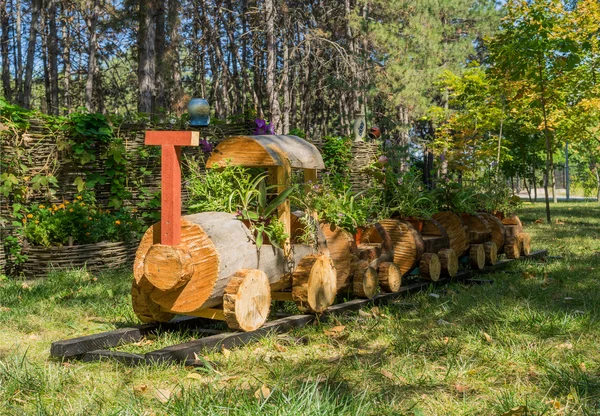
(92,15)
(4,48)
(31,47)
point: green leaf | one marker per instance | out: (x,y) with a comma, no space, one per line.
(80,183)
(280,199)
(259,240)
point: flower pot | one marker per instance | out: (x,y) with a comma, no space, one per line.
(417,223)
(358,235)
(95,257)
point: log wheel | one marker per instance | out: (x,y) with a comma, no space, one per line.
(407,244)
(144,307)
(366,281)
(448,262)
(390,277)
(314,283)
(498,230)
(342,249)
(247,299)
(459,241)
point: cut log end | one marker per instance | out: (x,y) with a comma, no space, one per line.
(314,283)
(477,256)
(366,281)
(512,247)
(168,267)
(145,308)
(448,262)
(390,277)
(525,242)
(430,266)
(247,299)
(491,253)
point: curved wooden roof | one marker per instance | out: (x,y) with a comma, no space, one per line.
(261,151)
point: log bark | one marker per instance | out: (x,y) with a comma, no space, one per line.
(430,267)
(448,262)
(247,300)
(452,223)
(314,283)
(477,256)
(366,281)
(491,253)
(390,277)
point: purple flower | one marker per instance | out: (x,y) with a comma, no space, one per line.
(399,181)
(382,159)
(206,146)
(262,127)
(388,143)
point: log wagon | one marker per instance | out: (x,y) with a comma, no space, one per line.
(207,265)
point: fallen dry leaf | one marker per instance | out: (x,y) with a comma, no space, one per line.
(263,393)
(554,403)
(516,411)
(539,221)
(34,336)
(528,275)
(488,337)
(163,395)
(375,310)
(445,340)
(388,374)
(280,348)
(557,221)
(140,389)
(226,352)
(4,309)
(582,367)
(335,331)
(194,376)
(565,346)
(25,286)
(461,388)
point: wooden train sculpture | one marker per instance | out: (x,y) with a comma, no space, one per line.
(207,265)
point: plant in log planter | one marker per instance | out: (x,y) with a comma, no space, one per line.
(76,233)
(405,196)
(496,197)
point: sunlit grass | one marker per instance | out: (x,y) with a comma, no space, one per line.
(529,339)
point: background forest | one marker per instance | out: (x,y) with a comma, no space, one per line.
(473,86)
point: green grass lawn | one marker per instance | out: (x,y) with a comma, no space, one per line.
(531,339)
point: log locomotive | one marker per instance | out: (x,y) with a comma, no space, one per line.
(207,265)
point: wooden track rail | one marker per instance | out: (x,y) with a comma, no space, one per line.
(95,347)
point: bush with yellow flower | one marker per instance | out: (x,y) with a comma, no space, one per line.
(81,220)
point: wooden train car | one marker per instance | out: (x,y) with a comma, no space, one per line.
(207,265)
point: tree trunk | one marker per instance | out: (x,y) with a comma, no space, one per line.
(4,40)
(17,55)
(91,21)
(162,66)
(147,56)
(66,58)
(177,102)
(272,93)
(33,32)
(53,58)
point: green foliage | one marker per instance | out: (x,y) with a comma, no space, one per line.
(405,195)
(88,134)
(495,196)
(337,204)
(452,196)
(80,220)
(237,189)
(337,154)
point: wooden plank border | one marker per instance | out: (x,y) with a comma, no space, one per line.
(93,347)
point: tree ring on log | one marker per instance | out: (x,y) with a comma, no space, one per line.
(454,226)
(314,283)
(407,244)
(477,256)
(365,282)
(430,266)
(168,267)
(512,247)
(247,300)
(448,262)
(390,277)
(491,253)
(498,230)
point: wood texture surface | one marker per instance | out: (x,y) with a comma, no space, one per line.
(448,262)
(314,283)
(452,223)
(390,277)
(477,256)
(407,244)
(491,253)
(365,282)
(342,250)
(430,267)
(498,230)
(247,300)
